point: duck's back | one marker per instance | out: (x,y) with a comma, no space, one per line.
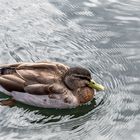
(43,72)
(24,74)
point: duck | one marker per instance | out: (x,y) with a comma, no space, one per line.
(47,84)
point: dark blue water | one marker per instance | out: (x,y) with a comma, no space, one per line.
(103,36)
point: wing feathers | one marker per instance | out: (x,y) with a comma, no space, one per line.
(14,78)
(42,89)
(39,78)
(36,89)
(11,85)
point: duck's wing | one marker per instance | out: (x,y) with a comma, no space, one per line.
(44,73)
(12,82)
(15,83)
(50,66)
(45,89)
(35,78)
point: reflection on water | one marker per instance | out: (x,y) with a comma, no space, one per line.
(102,36)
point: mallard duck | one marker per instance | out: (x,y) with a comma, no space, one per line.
(47,84)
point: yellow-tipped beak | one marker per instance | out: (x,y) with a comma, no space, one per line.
(96,86)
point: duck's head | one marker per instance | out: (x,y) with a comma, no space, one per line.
(79,80)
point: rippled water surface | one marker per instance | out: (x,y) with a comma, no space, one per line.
(103,36)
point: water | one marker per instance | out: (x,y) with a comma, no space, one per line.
(102,36)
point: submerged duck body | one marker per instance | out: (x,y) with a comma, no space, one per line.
(46,84)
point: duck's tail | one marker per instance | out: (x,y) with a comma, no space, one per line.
(7,70)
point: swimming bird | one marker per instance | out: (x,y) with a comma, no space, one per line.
(47,84)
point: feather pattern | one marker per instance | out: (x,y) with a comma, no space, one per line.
(42,84)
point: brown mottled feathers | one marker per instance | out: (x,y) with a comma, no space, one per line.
(36,78)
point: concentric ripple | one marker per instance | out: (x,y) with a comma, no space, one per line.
(102,36)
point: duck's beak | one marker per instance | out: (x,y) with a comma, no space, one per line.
(96,86)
